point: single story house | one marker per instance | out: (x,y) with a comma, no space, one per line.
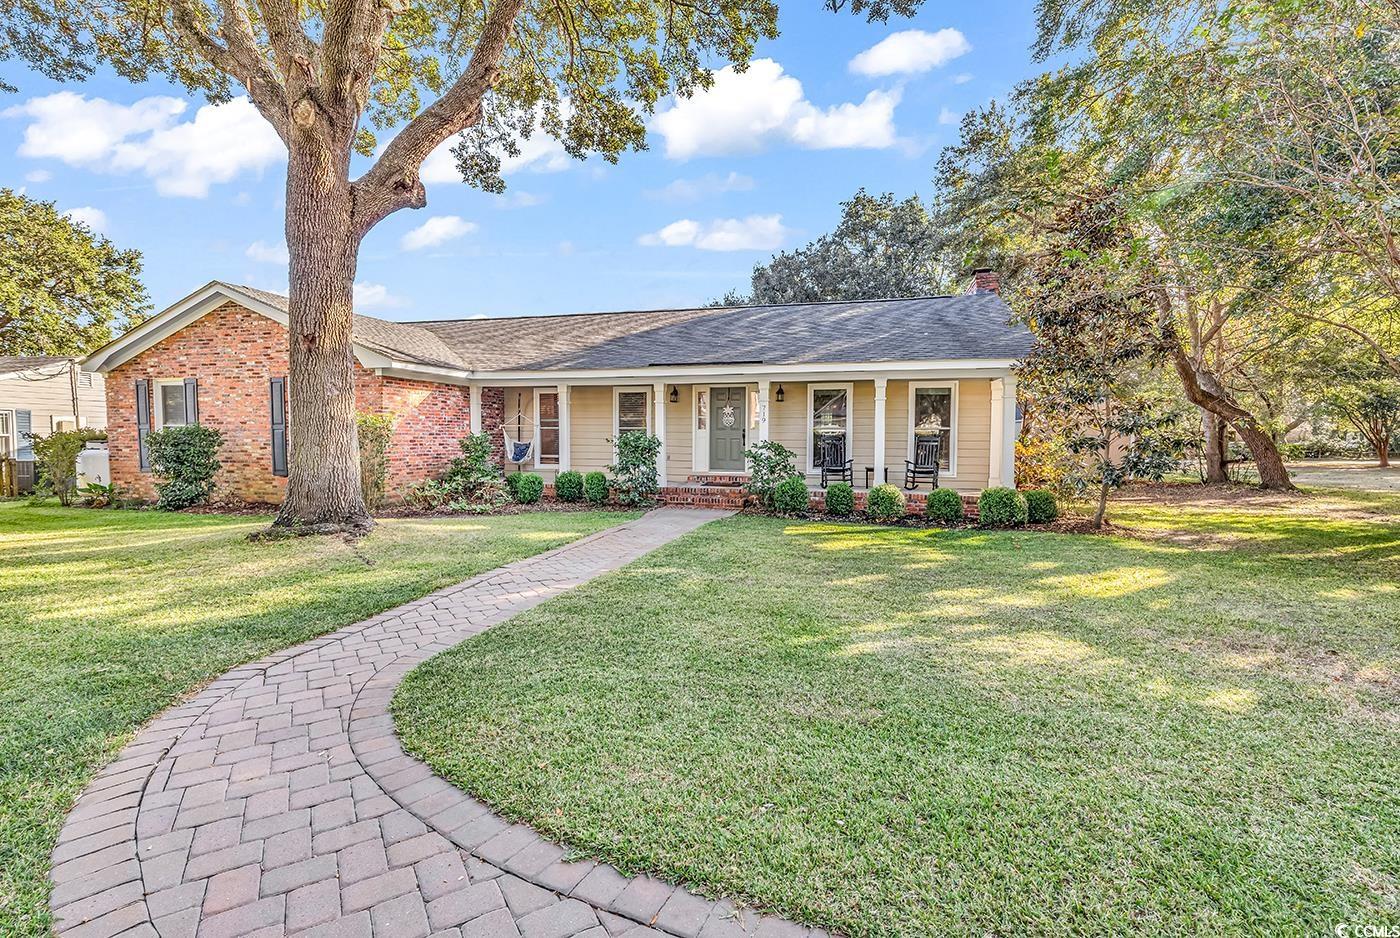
(863,380)
(38,395)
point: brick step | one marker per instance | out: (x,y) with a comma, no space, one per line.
(718,478)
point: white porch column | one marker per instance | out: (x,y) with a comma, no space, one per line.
(658,397)
(564,429)
(1003,435)
(764,387)
(475,408)
(879,460)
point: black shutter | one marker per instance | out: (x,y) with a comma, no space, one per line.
(191,400)
(143,424)
(278,397)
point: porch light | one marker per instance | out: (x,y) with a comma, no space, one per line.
(675,394)
(780,394)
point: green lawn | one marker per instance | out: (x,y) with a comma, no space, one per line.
(915,732)
(108,617)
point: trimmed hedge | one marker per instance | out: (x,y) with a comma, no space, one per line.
(790,496)
(885,503)
(595,488)
(529,486)
(1041,506)
(945,506)
(840,498)
(1000,507)
(568,486)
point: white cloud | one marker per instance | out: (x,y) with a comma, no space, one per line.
(962,78)
(910,51)
(946,116)
(754,233)
(436,230)
(265,253)
(181,158)
(743,112)
(94,218)
(367,296)
(691,190)
(38,175)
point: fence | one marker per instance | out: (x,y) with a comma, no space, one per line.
(16,476)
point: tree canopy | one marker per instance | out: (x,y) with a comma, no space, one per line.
(63,287)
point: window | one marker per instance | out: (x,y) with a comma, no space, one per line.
(828,419)
(702,408)
(933,413)
(547,426)
(631,411)
(170,403)
(7,433)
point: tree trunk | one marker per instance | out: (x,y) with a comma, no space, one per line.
(1102,510)
(323,484)
(1272,473)
(1216,451)
(1382,443)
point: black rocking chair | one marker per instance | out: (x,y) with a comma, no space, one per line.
(832,461)
(924,465)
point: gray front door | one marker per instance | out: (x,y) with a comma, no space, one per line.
(728,428)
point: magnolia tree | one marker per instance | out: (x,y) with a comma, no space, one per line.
(331,76)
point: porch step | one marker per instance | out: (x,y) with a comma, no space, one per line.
(718,479)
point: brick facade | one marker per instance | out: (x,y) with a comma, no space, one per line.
(234,352)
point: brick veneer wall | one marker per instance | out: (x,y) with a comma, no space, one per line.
(234,352)
(493,414)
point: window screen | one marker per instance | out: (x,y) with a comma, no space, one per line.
(631,411)
(933,416)
(549,427)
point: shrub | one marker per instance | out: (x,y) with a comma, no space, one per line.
(634,472)
(512,483)
(473,478)
(97,495)
(790,496)
(426,495)
(57,456)
(999,507)
(885,503)
(529,486)
(1041,506)
(568,486)
(185,461)
(944,506)
(770,464)
(840,498)
(595,488)
(376,432)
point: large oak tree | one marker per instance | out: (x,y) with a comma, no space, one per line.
(330,75)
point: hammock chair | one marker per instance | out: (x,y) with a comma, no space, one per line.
(520,448)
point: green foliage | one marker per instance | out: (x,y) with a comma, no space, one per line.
(64,289)
(634,473)
(790,496)
(512,482)
(57,458)
(885,503)
(770,463)
(376,432)
(1041,506)
(528,488)
(472,482)
(595,488)
(840,499)
(568,486)
(97,495)
(999,507)
(944,506)
(185,461)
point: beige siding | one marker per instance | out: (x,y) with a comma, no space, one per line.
(590,425)
(48,396)
(972,437)
(680,434)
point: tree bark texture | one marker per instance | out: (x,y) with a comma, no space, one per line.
(1216,449)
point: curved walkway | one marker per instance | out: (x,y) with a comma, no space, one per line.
(278,800)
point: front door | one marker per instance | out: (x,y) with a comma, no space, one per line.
(728,428)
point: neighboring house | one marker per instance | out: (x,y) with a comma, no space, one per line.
(707,382)
(41,394)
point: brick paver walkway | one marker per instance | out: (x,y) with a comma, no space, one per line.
(278,801)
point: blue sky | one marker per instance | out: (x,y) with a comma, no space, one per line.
(758,164)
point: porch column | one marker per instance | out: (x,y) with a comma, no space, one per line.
(658,398)
(764,386)
(1003,435)
(564,430)
(879,460)
(475,407)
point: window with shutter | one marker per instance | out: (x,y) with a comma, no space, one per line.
(143,424)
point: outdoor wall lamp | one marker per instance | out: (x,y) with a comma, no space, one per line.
(675,394)
(780,394)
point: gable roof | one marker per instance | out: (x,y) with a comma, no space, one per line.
(9,364)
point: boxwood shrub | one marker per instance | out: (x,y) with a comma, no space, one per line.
(999,507)
(885,503)
(790,496)
(529,486)
(944,506)
(840,498)
(1041,506)
(568,486)
(595,488)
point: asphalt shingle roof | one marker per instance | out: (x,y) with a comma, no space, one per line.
(972,326)
(11,363)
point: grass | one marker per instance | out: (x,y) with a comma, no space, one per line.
(108,617)
(913,732)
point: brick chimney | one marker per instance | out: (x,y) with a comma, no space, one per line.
(985,280)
